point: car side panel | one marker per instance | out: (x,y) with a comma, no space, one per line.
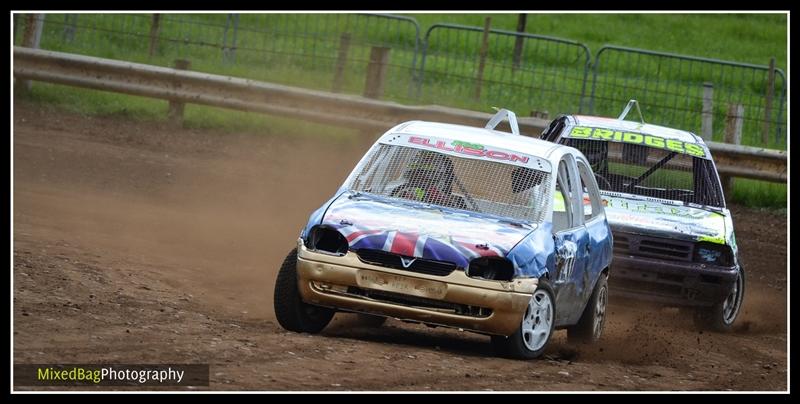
(572,248)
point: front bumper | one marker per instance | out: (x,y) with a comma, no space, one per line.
(455,300)
(671,283)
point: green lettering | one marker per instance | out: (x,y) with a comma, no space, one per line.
(467,144)
(580,132)
(654,141)
(675,145)
(630,137)
(695,150)
(603,134)
(618,136)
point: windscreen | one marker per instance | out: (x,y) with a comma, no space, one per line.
(651,171)
(476,185)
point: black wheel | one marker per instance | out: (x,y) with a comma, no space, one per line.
(292,313)
(534,332)
(590,326)
(370,320)
(722,315)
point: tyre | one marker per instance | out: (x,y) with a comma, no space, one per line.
(534,332)
(292,313)
(722,315)
(369,320)
(590,326)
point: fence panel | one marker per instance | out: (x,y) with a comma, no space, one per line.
(297,49)
(550,76)
(670,90)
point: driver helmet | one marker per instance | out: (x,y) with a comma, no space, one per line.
(430,171)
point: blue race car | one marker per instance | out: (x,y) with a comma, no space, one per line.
(458,226)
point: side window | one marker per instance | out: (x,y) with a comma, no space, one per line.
(554,129)
(592,204)
(567,204)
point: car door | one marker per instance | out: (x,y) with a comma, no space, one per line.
(572,243)
(599,237)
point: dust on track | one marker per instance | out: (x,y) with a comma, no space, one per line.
(138,243)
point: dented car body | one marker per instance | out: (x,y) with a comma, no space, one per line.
(674,238)
(462,227)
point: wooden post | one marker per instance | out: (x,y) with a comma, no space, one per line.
(376,72)
(155,26)
(175,112)
(70,20)
(31,38)
(733,135)
(768,104)
(341,61)
(521,22)
(708,111)
(482,62)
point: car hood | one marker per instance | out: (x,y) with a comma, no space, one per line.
(651,216)
(419,230)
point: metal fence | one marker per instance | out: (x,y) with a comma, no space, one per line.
(323,51)
(519,71)
(680,91)
(454,65)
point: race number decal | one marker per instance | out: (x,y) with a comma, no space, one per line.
(565,260)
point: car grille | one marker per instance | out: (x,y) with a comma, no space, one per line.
(655,247)
(420,302)
(391,260)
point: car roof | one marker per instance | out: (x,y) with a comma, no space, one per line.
(489,137)
(644,128)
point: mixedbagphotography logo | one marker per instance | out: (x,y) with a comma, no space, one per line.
(110,375)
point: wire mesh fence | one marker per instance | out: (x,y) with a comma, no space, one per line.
(679,91)
(476,185)
(519,71)
(323,51)
(455,65)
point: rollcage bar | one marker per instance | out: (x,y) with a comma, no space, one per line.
(628,108)
(498,117)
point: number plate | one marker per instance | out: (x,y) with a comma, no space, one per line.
(401,284)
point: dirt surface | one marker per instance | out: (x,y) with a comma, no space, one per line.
(138,243)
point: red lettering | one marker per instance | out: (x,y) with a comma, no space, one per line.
(473,152)
(418,140)
(497,155)
(492,154)
(521,159)
(442,145)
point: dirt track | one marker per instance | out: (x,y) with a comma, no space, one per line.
(135,243)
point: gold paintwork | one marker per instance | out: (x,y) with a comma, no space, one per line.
(323,279)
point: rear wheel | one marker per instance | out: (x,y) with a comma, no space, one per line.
(292,313)
(590,326)
(722,315)
(534,332)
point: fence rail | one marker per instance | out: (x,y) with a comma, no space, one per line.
(679,91)
(317,106)
(449,64)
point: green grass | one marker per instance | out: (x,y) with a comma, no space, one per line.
(762,194)
(302,50)
(749,38)
(101,103)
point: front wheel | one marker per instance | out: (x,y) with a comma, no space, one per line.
(533,335)
(721,316)
(292,313)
